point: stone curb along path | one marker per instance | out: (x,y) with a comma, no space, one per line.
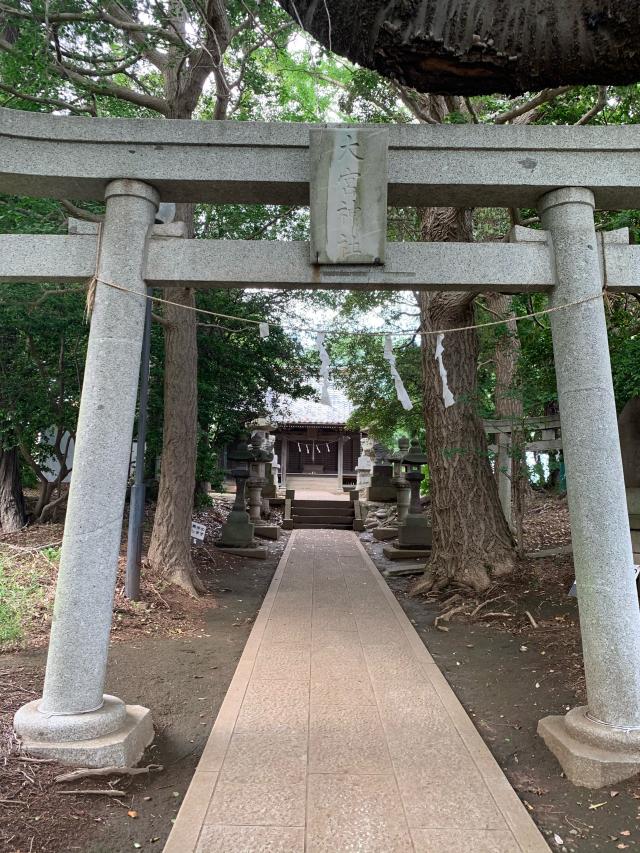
(339,732)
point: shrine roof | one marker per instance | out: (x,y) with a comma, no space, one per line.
(311,411)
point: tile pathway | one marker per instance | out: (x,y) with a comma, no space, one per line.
(339,734)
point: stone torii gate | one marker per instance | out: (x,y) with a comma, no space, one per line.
(133,164)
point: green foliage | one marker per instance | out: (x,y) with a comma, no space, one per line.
(364,374)
(43,338)
(20,595)
(51,554)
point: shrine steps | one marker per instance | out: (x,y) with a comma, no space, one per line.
(322,515)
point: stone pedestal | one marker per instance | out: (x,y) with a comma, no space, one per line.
(75,722)
(592,755)
(381,488)
(115,735)
(601,744)
(415,532)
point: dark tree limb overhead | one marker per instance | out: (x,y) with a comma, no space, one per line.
(475,47)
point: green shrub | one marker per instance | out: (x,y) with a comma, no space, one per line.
(20,594)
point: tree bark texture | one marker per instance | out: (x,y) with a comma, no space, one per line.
(507,397)
(13,515)
(509,405)
(474,47)
(170,546)
(472,543)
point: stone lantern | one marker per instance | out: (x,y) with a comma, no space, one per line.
(259,456)
(415,531)
(260,469)
(399,480)
(238,531)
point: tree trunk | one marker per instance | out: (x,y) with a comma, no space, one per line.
(508,404)
(472,543)
(476,47)
(508,400)
(13,514)
(170,547)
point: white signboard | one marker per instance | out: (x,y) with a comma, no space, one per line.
(198,531)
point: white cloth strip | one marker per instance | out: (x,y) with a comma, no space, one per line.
(447,396)
(324,369)
(401,391)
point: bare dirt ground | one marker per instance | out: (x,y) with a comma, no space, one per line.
(508,674)
(170,653)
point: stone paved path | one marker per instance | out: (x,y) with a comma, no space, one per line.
(339,732)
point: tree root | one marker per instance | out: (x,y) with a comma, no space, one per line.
(187,580)
(473,576)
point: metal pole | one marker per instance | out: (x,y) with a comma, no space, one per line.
(136,503)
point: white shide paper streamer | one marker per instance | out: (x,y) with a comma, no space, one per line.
(447,396)
(401,391)
(264,330)
(324,369)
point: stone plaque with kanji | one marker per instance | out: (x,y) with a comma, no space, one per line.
(348,193)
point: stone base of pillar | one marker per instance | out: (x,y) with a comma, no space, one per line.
(115,735)
(591,754)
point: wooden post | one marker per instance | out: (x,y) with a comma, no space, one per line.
(340,463)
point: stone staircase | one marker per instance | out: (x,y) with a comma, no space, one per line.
(322,515)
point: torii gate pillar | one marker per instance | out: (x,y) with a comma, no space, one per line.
(74,722)
(599,744)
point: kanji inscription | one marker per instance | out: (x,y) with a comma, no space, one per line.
(348,195)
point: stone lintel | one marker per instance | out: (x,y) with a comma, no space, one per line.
(502,268)
(259,162)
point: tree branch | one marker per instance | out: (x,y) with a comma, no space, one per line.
(600,104)
(80,212)
(47,102)
(102,15)
(542,98)
(150,102)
